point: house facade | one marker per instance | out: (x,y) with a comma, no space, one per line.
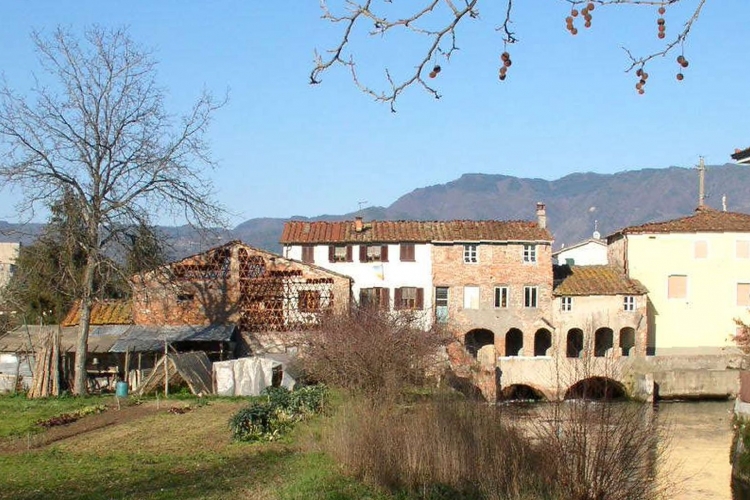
(592,252)
(697,272)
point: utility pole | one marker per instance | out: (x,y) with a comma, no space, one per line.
(701,183)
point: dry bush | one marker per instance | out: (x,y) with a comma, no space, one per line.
(371,352)
(444,448)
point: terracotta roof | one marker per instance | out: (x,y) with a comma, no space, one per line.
(108,312)
(412,231)
(741,155)
(704,220)
(594,280)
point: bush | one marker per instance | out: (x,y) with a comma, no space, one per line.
(276,411)
(371,352)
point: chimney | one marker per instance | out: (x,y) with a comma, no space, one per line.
(358,224)
(541,215)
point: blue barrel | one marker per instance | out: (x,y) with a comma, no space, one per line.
(121,389)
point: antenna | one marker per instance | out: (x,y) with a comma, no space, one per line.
(361,204)
(701,183)
(597,235)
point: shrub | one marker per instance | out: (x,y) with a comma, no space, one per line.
(276,411)
(371,352)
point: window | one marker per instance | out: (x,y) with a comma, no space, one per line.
(441,304)
(743,249)
(566,303)
(743,294)
(470,254)
(375,298)
(530,294)
(677,286)
(308,253)
(701,249)
(373,253)
(529,253)
(183,298)
(628,303)
(308,301)
(408,298)
(407,252)
(471,297)
(340,253)
(501,296)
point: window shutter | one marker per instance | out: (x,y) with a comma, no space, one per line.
(348,253)
(420,298)
(385,299)
(397,299)
(331,253)
(363,253)
(384,253)
(402,252)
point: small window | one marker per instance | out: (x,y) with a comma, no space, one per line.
(701,249)
(470,254)
(409,298)
(340,253)
(373,253)
(185,297)
(501,297)
(530,295)
(407,252)
(566,303)
(471,297)
(677,286)
(529,253)
(743,249)
(375,298)
(628,303)
(743,294)
(308,253)
(441,304)
(308,301)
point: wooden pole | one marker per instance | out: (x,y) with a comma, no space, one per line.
(126,379)
(166,369)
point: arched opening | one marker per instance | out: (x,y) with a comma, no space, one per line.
(574,344)
(603,342)
(596,388)
(514,342)
(542,342)
(520,392)
(476,339)
(627,340)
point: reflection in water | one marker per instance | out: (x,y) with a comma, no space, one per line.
(700,436)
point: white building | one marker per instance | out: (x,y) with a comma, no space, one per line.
(592,252)
(8,257)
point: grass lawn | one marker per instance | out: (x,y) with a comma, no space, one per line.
(155,453)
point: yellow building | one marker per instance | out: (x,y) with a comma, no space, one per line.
(697,272)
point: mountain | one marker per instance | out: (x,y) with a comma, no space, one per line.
(575,204)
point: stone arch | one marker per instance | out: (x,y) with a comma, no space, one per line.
(574,343)
(542,342)
(596,388)
(603,341)
(521,392)
(478,338)
(627,340)
(514,342)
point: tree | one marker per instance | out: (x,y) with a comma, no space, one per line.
(437,21)
(103,136)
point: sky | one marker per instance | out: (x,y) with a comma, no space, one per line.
(286,148)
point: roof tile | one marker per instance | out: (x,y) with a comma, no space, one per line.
(594,280)
(296,232)
(705,220)
(107,312)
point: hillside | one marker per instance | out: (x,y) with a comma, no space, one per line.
(574,203)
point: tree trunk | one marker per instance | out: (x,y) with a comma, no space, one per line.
(80,384)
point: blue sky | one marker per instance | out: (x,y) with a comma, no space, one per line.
(287,148)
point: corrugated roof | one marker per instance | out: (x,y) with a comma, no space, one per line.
(103,312)
(412,231)
(704,220)
(116,338)
(594,280)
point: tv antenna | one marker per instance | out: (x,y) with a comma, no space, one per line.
(361,204)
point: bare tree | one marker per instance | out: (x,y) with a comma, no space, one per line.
(102,133)
(437,21)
